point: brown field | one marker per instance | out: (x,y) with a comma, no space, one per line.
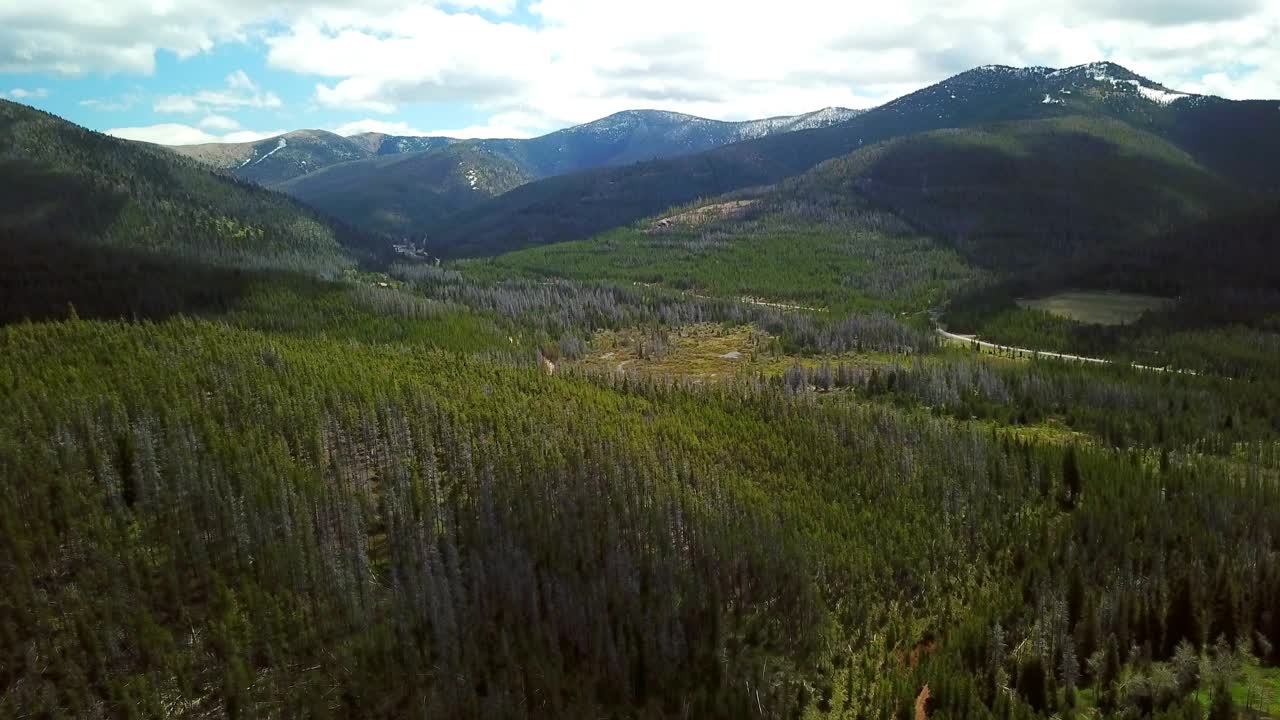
(1099,308)
(704,214)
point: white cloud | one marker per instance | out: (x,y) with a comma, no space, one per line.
(115,104)
(240,92)
(495,7)
(249,136)
(1250,86)
(502,125)
(418,54)
(350,95)
(164,134)
(583,59)
(219,122)
(1173,12)
(23,94)
(179,134)
(239,80)
(370,125)
(75,37)
(733,60)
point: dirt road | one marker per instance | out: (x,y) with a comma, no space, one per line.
(1025,352)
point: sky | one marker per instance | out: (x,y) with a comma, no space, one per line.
(189,71)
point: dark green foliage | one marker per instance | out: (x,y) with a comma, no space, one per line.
(1032,683)
(1118,407)
(307,521)
(45,277)
(1225,330)
(1235,139)
(850,258)
(1231,249)
(339,527)
(1029,195)
(1071,482)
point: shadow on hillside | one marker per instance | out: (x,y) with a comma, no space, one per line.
(48,264)
(44,277)
(1068,198)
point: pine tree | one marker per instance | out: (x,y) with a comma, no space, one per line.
(1031,682)
(1071,481)
(1221,705)
(1109,674)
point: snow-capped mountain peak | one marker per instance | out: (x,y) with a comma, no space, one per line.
(1070,89)
(1108,76)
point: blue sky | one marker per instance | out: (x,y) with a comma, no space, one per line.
(104,101)
(116,100)
(225,70)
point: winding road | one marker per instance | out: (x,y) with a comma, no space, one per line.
(1019,352)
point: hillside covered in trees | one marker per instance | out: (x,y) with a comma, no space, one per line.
(124,230)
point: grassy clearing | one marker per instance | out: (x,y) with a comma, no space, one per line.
(1256,692)
(1098,308)
(1259,691)
(704,352)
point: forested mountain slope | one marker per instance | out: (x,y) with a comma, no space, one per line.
(399,194)
(992,201)
(1020,196)
(100,222)
(581,204)
(278,159)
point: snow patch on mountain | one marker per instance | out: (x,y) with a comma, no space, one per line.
(1156,95)
(283,143)
(826,117)
(1096,80)
(694,131)
(1100,72)
(1096,71)
(1022,72)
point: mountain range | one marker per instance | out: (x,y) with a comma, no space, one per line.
(397,184)
(628,136)
(955,159)
(1236,140)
